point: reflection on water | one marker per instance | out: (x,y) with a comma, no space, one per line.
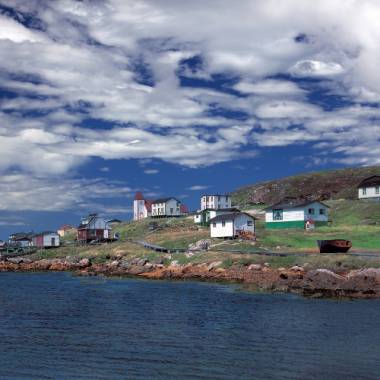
(57,326)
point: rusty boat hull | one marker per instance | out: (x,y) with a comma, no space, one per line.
(334,246)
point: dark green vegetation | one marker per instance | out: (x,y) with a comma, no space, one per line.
(324,185)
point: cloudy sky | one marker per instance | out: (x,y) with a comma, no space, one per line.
(99,99)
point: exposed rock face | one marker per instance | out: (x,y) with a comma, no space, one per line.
(363,283)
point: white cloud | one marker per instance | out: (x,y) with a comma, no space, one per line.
(198,187)
(86,55)
(151,171)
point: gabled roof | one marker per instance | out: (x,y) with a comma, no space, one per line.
(294,203)
(90,218)
(163,200)
(230,209)
(45,233)
(370,181)
(139,196)
(230,216)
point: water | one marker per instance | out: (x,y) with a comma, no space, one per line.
(55,326)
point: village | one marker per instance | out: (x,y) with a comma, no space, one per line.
(217,213)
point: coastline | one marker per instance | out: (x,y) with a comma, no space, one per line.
(318,283)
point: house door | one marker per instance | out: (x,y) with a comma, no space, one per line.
(53,242)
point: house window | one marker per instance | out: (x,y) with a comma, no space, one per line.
(377,189)
(364,190)
(218,198)
(214,225)
(223,223)
(322,211)
(249,223)
(171,210)
(278,214)
(311,211)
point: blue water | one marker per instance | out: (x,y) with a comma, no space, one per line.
(55,326)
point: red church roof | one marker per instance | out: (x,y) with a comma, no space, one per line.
(139,196)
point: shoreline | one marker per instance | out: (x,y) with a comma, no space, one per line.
(317,283)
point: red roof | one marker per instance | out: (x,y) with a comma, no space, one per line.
(184,209)
(139,196)
(148,205)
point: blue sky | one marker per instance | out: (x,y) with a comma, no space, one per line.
(100,99)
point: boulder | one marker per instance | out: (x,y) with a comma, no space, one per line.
(114,264)
(15,260)
(255,267)
(323,279)
(214,265)
(84,263)
(296,268)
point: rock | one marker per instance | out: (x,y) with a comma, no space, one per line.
(266,264)
(148,265)
(174,263)
(255,267)
(282,269)
(306,266)
(200,245)
(15,260)
(141,262)
(114,264)
(84,263)
(124,264)
(296,268)
(323,279)
(220,270)
(214,265)
(135,270)
(189,254)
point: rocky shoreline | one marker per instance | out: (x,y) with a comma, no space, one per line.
(361,284)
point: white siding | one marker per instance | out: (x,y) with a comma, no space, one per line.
(241,224)
(139,210)
(300,214)
(369,192)
(215,201)
(218,230)
(48,240)
(172,207)
(288,215)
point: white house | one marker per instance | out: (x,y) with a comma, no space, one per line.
(203,216)
(296,214)
(369,188)
(215,201)
(232,225)
(166,207)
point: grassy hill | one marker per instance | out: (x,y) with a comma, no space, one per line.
(324,185)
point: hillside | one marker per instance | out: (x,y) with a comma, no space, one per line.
(324,185)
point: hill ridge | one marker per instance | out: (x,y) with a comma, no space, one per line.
(321,185)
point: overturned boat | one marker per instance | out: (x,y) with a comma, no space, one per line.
(334,246)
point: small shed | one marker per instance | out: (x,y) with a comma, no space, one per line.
(21,239)
(232,225)
(369,188)
(46,239)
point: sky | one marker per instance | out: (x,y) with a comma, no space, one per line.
(100,99)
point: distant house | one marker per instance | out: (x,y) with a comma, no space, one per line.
(232,225)
(21,239)
(296,214)
(215,201)
(165,207)
(369,188)
(142,208)
(203,216)
(46,239)
(93,227)
(65,229)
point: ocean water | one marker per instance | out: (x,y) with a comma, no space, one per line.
(56,326)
